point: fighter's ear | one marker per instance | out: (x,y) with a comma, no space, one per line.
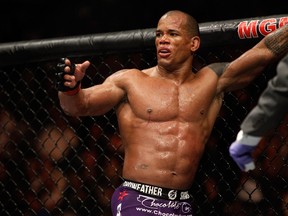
(195,43)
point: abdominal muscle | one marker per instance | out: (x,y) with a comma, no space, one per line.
(164,154)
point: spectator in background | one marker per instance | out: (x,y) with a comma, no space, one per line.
(55,141)
(8,129)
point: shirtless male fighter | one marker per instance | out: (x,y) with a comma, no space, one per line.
(165,113)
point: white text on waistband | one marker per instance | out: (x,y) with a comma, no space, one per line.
(148,189)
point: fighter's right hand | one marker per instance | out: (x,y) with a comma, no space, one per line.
(69,75)
(241,151)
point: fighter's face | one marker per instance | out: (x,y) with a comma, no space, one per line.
(172,40)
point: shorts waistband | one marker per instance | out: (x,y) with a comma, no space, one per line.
(160,192)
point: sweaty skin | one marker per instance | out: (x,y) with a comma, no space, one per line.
(166,113)
(165,136)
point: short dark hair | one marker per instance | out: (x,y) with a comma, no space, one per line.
(191,23)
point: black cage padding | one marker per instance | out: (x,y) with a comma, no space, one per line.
(212,34)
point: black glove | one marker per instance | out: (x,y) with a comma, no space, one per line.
(60,76)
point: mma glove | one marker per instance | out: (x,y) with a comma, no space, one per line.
(241,150)
(60,73)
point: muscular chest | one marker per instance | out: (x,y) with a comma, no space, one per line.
(166,101)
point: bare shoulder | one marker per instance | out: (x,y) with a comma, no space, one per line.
(212,75)
(125,77)
(218,67)
(125,73)
(131,71)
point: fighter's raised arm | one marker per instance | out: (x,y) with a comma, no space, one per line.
(240,72)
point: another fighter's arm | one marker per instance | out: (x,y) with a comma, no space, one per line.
(240,72)
(95,100)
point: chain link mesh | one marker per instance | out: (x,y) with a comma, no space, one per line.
(54,164)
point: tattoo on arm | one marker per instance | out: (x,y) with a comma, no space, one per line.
(277,41)
(218,68)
